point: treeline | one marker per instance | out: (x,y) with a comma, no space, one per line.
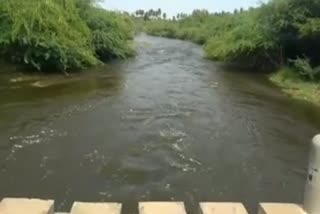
(278,33)
(62,34)
(152,14)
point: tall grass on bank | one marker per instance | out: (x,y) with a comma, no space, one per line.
(61,34)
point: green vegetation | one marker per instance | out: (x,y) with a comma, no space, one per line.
(280,33)
(294,86)
(61,34)
(110,32)
(69,35)
(272,34)
(196,27)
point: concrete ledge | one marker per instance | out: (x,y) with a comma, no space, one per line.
(96,208)
(26,206)
(37,206)
(222,208)
(162,208)
(280,208)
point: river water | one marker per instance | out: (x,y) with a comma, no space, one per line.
(166,125)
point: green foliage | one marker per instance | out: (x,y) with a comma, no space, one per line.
(51,34)
(161,28)
(305,70)
(292,84)
(241,42)
(265,36)
(187,28)
(285,74)
(150,14)
(310,29)
(110,34)
(45,35)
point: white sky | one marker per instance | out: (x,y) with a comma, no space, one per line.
(172,7)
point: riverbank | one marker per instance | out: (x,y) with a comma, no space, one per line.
(84,36)
(165,112)
(293,86)
(254,38)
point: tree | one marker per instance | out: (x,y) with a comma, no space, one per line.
(164,16)
(183,16)
(146,17)
(139,13)
(151,13)
(199,13)
(159,12)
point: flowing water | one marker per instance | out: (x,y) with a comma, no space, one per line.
(166,125)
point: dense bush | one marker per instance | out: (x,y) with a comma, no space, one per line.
(44,34)
(265,36)
(162,28)
(110,34)
(302,67)
(55,34)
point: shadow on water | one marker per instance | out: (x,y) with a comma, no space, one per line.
(258,86)
(39,94)
(165,125)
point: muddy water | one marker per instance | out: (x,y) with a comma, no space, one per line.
(166,125)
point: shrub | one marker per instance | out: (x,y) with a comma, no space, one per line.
(61,34)
(111,33)
(161,28)
(305,70)
(266,36)
(45,35)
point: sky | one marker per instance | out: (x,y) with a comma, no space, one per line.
(172,7)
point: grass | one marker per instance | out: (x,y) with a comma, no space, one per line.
(292,85)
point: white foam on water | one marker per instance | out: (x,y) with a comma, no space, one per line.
(21,142)
(172,134)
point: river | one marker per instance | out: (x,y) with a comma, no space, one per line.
(165,125)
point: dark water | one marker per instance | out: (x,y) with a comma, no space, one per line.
(167,125)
